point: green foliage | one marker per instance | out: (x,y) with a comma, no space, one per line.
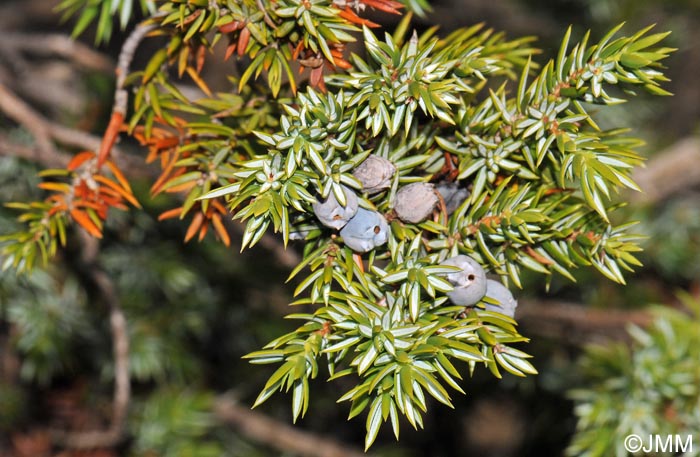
(44,232)
(176,423)
(40,242)
(14,402)
(541,176)
(675,232)
(162,341)
(104,12)
(648,387)
(49,320)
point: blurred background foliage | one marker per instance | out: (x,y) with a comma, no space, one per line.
(195,309)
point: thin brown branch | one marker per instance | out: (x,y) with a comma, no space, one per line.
(24,115)
(575,323)
(43,129)
(55,160)
(18,14)
(671,171)
(126,55)
(107,293)
(13,59)
(279,435)
(72,137)
(60,45)
(121,95)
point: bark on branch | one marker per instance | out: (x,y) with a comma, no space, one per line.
(43,130)
(671,171)
(106,293)
(575,323)
(279,435)
(121,95)
(59,45)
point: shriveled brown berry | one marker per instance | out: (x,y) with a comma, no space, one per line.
(453,195)
(415,202)
(375,174)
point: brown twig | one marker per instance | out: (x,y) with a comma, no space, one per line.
(60,45)
(126,55)
(279,435)
(43,130)
(121,96)
(18,14)
(672,170)
(120,347)
(55,160)
(24,115)
(575,323)
(46,130)
(13,59)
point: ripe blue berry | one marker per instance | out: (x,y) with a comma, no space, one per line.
(469,283)
(503,296)
(365,231)
(334,215)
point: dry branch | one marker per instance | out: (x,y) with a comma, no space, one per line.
(20,13)
(671,171)
(279,435)
(575,323)
(11,149)
(24,115)
(121,95)
(43,130)
(106,293)
(59,45)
